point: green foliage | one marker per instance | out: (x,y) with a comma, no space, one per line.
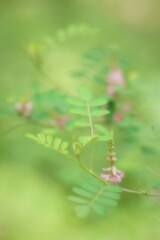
(85,94)
(89,107)
(81,143)
(37,50)
(106,135)
(96,62)
(94,196)
(86,106)
(51,100)
(94,65)
(74,31)
(47,141)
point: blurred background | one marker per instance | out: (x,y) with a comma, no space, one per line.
(37,55)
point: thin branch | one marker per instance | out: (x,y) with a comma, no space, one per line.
(143,192)
(90,172)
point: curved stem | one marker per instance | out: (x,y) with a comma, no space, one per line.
(90,172)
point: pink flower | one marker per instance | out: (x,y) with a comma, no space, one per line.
(24,109)
(117,117)
(114,175)
(116,77)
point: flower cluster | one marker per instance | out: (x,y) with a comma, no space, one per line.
(112,174)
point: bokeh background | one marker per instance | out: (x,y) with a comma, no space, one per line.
(35,182)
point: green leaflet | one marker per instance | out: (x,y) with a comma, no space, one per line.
(85,94)
(99,102)
(109,201)
(50,99)
(86,139)
(98,209)
(64,146)
(81,124)
(90,187)
(102,129)
(90,108)
(76,102)
(79,111)
(42,138)
(114,189)
(106,134)
(57,143)
(99,112)
(104,138)
(32,137)
(82,192)
(77,199)
(75,31)
(47,141)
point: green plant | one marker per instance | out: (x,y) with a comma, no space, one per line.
(101,191)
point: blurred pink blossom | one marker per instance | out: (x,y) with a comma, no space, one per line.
(113,174)
(116,77)
(117,117)
(24,109)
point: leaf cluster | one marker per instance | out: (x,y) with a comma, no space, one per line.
(88,108)
(47,141)
(49,103)
(95,63)
(94,196)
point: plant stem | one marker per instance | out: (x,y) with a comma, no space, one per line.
(90,119)
(91,157)
(92,134)
(146,193)
(143,192)
(90,172)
